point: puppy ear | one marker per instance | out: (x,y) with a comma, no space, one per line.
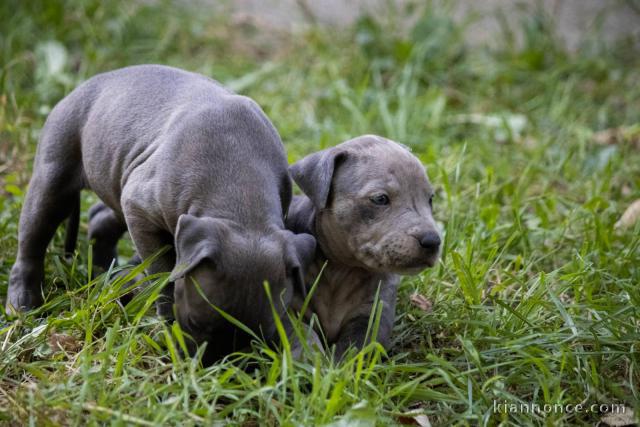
(298,260)
(305,245)
(196,239)
(314,174)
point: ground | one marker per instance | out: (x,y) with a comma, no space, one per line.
(535,154)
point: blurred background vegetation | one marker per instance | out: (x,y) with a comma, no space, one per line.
(534,150)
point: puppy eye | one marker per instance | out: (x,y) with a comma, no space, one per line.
(431,201)
(380,199)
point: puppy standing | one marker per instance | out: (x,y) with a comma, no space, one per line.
(369,206)
(180,161)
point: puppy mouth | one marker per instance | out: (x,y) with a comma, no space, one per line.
(414,269)
(398,263)
(417,266)
(410,268)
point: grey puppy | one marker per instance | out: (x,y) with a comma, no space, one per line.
(180,161)
(369,205)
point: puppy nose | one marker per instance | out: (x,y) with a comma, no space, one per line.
(430,240)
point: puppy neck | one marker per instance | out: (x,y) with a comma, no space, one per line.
(333,244)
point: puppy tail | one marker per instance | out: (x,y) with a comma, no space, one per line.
(73,224)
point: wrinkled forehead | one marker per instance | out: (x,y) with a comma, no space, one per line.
(377,162)
(263,251)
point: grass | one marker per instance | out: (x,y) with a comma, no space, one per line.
(536,298)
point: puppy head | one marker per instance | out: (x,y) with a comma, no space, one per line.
(374,205)
(230,265)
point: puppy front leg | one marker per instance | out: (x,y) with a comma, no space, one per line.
(311,338)
(148,240)
(353,333)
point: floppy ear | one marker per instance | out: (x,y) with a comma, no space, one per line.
(314,174)
(299,258)
(196,239)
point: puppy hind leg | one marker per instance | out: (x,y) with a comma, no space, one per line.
(49,201)
(52,195)
(73,224)
(105,229)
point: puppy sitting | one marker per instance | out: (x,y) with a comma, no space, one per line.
(369,205)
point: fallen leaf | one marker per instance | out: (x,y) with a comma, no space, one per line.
(65,343)
(607,136)
(618,135)
(630,216)
(618,419)
(405,420)
(422,420)
(414,420)
(421,302)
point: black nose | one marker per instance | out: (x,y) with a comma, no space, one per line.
(430,240)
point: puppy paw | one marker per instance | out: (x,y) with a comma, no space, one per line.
(24,292)
(313,343)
